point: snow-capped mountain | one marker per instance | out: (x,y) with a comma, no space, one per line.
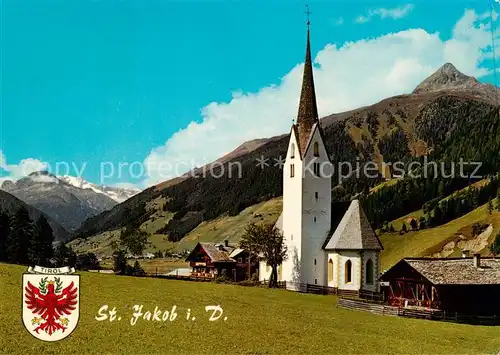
(66,199)
(119,194)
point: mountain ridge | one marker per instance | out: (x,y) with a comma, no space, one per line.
(10,203)
(67,200)
(396,128)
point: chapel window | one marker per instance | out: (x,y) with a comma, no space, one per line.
(330,270)
(348,271)
(369,272)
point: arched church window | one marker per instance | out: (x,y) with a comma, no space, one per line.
(292,151)
(369,272)
(348,271)
(330,270)
(316,149)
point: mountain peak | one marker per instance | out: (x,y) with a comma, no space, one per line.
(446,77)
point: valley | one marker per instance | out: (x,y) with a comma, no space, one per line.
(434,121)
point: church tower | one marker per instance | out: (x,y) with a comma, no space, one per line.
(306,217)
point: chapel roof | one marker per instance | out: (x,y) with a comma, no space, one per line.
(354,232)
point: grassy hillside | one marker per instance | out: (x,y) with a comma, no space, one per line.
(429,241)
(259,321)
(224,227)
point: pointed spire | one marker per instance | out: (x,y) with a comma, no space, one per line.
(308,111)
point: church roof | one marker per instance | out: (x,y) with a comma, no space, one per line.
(308,111)
(354,231)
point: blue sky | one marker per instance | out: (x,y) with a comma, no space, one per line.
(181,82)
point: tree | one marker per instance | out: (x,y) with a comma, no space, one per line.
(134,240)
(19,248)
(120,262)
(414,224)
(4,234)
(441,188)
(137,270)
(43,238)
(490,206)
(87,261)
(64,256)
(495,246)
(422,223)
(267,240)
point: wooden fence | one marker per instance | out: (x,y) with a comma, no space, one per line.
(430,314)
(365,305)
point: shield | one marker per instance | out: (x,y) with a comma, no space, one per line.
(51,303)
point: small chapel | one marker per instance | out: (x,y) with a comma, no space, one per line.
(344,256)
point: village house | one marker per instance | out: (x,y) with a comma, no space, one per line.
(466,285)
(210,260)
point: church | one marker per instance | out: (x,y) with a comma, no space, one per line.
(344,257)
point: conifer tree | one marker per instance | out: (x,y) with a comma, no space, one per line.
(4,234)
(64,256)
(404,228)
(490,206)
(42,242)
(20,242)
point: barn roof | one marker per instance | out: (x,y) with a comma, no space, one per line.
(216,252)
(236,252)
(354,231)
(457,271)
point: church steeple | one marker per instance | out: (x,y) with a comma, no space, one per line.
(308,111)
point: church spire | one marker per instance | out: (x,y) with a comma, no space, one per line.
(308,111)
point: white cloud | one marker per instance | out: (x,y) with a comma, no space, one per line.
(394,13)
(352,75)
(21,169)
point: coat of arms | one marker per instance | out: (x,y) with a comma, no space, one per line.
(50,302)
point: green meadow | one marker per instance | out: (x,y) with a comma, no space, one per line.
(259,321)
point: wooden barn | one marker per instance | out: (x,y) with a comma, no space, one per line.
(210,260)
(469,286)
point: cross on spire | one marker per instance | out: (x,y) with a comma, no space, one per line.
(308,13)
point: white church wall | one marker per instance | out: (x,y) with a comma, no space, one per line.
(355,258)
(316,213)
(333,269)
(292,212)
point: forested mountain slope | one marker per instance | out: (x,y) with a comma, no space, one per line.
(448,117)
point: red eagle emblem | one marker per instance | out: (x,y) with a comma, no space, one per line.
(52,303)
